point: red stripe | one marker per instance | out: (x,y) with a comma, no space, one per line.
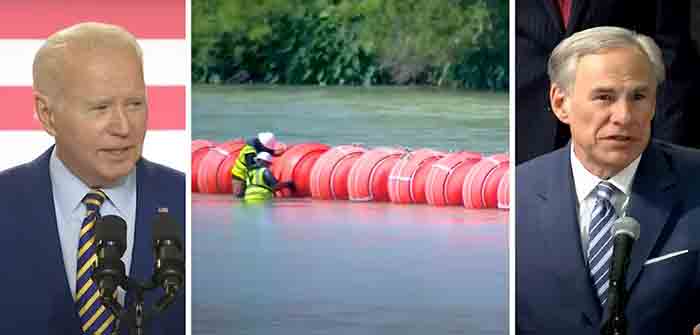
(166,108)
(37,19)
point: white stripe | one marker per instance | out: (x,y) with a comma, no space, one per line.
(165,61)
(599,250)
(442,167)
(658,259)
(602,261)
(604,287)
(167,147)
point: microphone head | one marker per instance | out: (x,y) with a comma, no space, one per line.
(626,225)
(165,228)
(111,228)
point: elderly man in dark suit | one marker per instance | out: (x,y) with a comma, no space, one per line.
(604,87)
(90,95)
(542,24)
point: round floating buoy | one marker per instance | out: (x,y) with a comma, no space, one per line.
(207,179)
(199,149)
(329,176)
(444,182)
(480,189)
(504,191)
(407,179)
(223,174)
(369,176)
(296,164)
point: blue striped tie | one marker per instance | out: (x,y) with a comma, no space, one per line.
(600,244)
(94,317)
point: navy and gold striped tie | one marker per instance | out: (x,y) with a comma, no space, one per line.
(95,318)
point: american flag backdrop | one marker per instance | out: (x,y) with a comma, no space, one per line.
(159,26)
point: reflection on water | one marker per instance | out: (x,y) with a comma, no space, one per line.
(412,117)
(297,266)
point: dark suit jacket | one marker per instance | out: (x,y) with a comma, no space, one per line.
(554,293)
(36,297)
(538,30)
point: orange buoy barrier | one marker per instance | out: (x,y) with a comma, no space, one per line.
(369,176)
(329,176)
(199,149)
(296,164)
(480,188)
(207,179)
(223,174)
(504,191)
(407,178)
(444,183)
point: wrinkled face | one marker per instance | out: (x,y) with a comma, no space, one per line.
(609,109)
(99,118)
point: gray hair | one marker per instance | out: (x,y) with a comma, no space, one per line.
(561,67)
(59,49)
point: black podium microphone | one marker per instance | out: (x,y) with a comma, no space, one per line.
(168,249)
(109,273)
(626,231)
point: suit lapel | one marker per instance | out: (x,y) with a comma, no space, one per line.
(653,198)
(561,233)
(142,259)
(49,252)
(554,14)
(578,10)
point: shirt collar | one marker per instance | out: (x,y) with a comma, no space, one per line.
(585,181)
(69,190)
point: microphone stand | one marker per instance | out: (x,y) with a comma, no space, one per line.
(136,315)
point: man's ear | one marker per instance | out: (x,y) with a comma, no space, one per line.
(559,100)
(44,112)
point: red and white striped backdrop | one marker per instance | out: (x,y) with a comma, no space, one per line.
(159,26)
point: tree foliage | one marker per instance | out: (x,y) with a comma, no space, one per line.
(460,43)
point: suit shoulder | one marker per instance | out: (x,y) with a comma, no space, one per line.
(15,178)
(683,159)
(539,169)
(158,171)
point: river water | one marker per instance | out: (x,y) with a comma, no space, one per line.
(302,266)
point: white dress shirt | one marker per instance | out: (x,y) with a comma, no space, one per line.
(585,182)
(68,193)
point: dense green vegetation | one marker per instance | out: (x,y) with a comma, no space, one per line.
(453,43)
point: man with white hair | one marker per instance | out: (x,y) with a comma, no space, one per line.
(263,142)
(604,87)
(90,95)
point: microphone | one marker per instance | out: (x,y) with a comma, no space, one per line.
(169,256)
(626,231)
(109,273)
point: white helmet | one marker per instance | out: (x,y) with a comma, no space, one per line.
(268,140)
(264,156)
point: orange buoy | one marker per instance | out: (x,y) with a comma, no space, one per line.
(199,149)
(504,191)
(207,180)
(480,189)
(407,179)
(296,164)
(223,174)
(444,182)
(369,176)
(329,176)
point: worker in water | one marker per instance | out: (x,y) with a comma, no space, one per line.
(260,183)
(264,142)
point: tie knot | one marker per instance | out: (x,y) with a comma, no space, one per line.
(605,190)
(94,199)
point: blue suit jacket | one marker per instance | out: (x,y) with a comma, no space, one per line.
(36,297)
(554,293)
